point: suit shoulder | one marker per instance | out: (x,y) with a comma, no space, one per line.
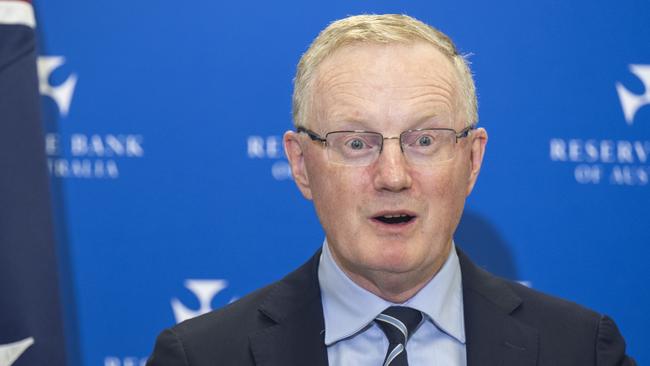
(565,326)
(241,316)
(553,305)
(246,316)
(565,332)
(544,305)
(221,334)
(525,303)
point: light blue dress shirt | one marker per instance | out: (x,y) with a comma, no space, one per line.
(353,338)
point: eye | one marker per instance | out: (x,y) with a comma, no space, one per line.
(356,144)
(424,140)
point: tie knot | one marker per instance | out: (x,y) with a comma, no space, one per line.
(398,322)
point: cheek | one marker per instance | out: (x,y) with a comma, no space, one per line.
(435,185)
(443,192)
(337,193)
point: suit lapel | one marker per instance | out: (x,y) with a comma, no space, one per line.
(494,336)
(297,337)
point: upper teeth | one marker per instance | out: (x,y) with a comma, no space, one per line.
(391,216)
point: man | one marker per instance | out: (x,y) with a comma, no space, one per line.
(387,148)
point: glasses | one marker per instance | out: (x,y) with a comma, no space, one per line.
(424,146)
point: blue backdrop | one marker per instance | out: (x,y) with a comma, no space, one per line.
(171,190)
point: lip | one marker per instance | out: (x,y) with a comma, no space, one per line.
(393,228)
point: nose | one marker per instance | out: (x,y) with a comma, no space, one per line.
(391,169)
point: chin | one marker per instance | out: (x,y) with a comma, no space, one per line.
(396,260)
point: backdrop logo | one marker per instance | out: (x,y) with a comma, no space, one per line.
(61,94)
(269,148)
(83,154)
(10,352)
(90,156)
(125,361)
(205,291)
(617,161)
(631,102)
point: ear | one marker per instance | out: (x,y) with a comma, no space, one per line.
(479,140)
(295,154)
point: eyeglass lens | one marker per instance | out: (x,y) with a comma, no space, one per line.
(363,148)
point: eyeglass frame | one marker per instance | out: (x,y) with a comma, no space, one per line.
(316,137)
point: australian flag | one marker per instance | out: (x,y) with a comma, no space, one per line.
(31,326)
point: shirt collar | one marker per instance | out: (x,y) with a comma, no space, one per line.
(349,308)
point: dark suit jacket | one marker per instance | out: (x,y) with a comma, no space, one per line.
(506,324)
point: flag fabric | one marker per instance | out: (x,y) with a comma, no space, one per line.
(31,325)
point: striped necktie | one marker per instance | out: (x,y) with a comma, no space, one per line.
(398,322)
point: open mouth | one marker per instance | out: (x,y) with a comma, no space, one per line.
(394,219)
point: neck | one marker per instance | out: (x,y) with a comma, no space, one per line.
(395,287)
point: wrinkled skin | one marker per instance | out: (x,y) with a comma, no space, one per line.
(387,88)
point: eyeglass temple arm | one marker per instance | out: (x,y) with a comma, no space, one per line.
(312,135)
(465,131)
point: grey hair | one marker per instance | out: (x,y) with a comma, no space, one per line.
(386,28)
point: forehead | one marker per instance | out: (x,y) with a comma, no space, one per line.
(370,82)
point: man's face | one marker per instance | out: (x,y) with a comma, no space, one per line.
(386,89)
